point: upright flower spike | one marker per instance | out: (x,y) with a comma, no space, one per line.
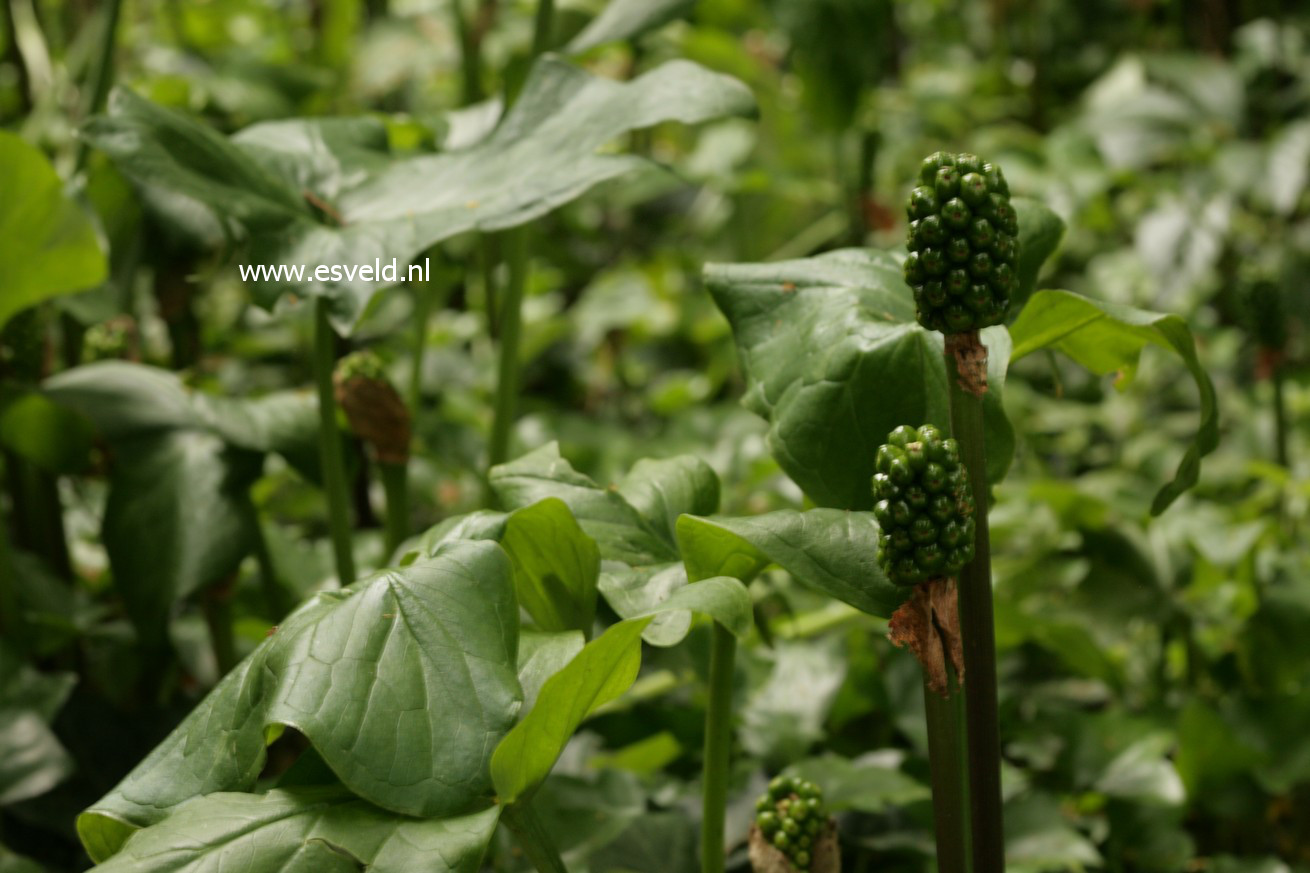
(925,508)
(963,243)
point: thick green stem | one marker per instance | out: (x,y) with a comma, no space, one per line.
(470,55)
(422,314)
(950,793)
(532,837)
(103,71)
(543,26)
(515,248)
(395,485)
(718,744)
(276,599)
(976,623)
(13,627)
(1279,386)
(329,442)
(217,605)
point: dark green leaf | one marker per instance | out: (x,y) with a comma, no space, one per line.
(553,137)
(828,549)
(403,683)
(625,19)
(178,519)
(1108,337)
(617,527)
(1040,232)
(662,490)
(834,360)
(863,785)
(50,436)
(304,830)
(48,246)
(556,566)
(603,670)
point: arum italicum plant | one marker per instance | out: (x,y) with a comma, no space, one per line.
(917,345)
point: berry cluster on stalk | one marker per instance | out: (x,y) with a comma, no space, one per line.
(962,242)
(793,818)
(925,508)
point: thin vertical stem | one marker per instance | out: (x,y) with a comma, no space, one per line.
(511,317)
(395,486)
(1279,386)
(103,71)
(275,597)
(718,744)
(217,606)
(329,437)
(522,821)
(950,794)
(543,26)
(976,622)
(422,315)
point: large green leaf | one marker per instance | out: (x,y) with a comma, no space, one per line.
(1108,338)
(662,490)
(829,549)
(32,760)
(625,19)
(621,532)
(48,435)
(123,399)
(1040,232)
(835,360)
(556,566)
(549,150)
(304,830)
(48,246)
(403,683)
(605,668)
(178,518)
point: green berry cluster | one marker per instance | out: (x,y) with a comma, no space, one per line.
(963,243)
(792,817)
(924,506)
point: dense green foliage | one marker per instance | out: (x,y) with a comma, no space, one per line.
(603,551)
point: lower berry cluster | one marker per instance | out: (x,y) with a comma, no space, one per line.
(792,817)
(925,508)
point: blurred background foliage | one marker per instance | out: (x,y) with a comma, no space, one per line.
(1153,671)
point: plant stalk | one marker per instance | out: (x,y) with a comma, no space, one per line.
(543,27)
(395,485)
(950,793)
(977,625)
(103,71)
(718,747)
(422,314)
(217,606)
(1279,380)
(515,249)
(522,821)
(329,442)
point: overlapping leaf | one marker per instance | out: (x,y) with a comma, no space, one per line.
(834,359)
(1108,338)
(828,549)
(552,140)
(48,246)
(323,830)
(403,683)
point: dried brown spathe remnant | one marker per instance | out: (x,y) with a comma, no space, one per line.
(766,858)
(928,624)
(376,415)
(970,361)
